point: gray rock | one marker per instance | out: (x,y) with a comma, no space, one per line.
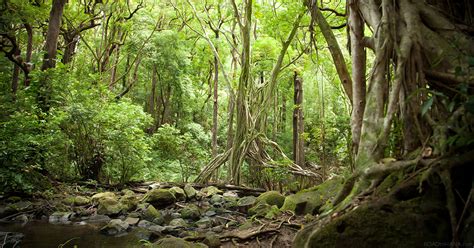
(189,191)
(204,222)
(216,199)
(60,217)
(132,221)
(98,218)
(217,229)
(156,228)
(178,223)
(115,227)
(210,213)
(145,224)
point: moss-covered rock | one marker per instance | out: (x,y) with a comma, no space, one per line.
(271,198)
(190,191)
(210,191)
(406,224)
(77,201)
(151,214)
(115,227)
(310,200)
(190,212)
(178,193)
(129,201)
(109,206)
(160,197)
(245,203)
(176,243)
(97,197)
(264,210)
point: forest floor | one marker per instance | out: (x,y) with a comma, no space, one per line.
(149,214)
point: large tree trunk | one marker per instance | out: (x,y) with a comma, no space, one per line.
(215,104)
(52,35)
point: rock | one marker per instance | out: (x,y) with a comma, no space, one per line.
(145,224)
(11,239)
(127,192)
(212,240)
(97,197)
(19,206)
(60,217)
(109,206)
(210,191)
(151,214)
(22,218)
(210,213)
(271,198)
(156,228)
(77,201)
(132,221)
(178,223)
(204,222)
(405,224)
(129,202)
(98,218)
(115,227)
(190,212)
(160,197)
(217,229)
(264,210)
(189,191)
(245,203)
(216,199)
(173,242)
(178,193)
(231,194)
(309,201)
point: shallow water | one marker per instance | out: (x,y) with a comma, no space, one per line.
(43,234)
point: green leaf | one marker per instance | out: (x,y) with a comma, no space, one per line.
(426,106)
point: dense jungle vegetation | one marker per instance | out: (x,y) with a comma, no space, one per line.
(279,95)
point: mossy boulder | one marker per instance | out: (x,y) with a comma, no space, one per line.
(173,242)
(264,210)
(190,212)
(210,191)
(271,198)
(115,227)
(77,201)
(129,202)
(178,193)
(190,191)
(153,215)
(310,200)
(97,197)
(160,197)
(406,224)
(109,206)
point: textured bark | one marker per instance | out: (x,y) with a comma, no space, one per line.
(334,49)
(53,34)
(298,123)
(358,56)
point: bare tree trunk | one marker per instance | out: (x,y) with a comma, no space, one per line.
(358,55)
(53,34)
(215,105)
(334,49)
(298,124)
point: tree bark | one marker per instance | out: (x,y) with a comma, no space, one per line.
(298,124)
(358,56)
(215,103)
(52,35)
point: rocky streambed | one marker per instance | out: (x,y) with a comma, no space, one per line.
(153,215)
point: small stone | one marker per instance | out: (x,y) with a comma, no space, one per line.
(178,223)
(60,217)
(98,218)
(156,228)
(210,213)
(204,222)
(212,240)
(145,224)
(217,229)
(115,227)
(215,199)
(132,221)
(189,191)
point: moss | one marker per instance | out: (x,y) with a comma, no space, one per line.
(310,200)
(173,242)
(160,197)
(379,225)
(272,198)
